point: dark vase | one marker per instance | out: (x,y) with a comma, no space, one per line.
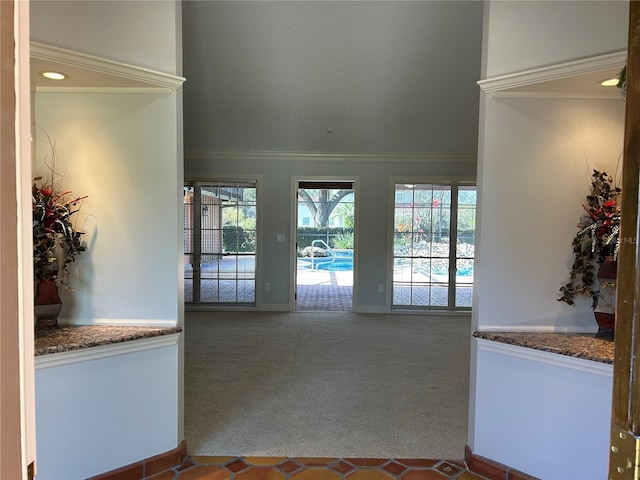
(47,304)
(605,310)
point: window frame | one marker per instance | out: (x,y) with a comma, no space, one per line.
(452,257)
(242,179)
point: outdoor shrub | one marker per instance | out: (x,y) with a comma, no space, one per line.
(237,240)
(306,235)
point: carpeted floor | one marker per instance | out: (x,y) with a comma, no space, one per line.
(325,384)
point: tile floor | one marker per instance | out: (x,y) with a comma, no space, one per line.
(281,468)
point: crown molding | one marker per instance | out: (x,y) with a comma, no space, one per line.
(145,80)
(316,157)
(541,95)
(499,86)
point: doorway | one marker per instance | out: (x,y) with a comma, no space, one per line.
(324,254)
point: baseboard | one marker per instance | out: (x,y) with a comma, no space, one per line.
(491,469)
(370,309)
(148,466)
(274,307)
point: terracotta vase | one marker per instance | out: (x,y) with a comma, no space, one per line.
(47,304)
(605,310)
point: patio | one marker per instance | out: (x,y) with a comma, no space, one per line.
(231,280)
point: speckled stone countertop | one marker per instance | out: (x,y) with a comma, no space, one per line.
(580,345)
(67,338)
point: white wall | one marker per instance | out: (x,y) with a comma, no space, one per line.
(136,32)
(384,76)
(372,224)
(543,414)
(125,152)
(536,167)
(98,414)
(118,150)
(520,35)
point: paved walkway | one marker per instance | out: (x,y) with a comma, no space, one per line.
(319,290)
(329,291)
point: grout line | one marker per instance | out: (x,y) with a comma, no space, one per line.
(460,466)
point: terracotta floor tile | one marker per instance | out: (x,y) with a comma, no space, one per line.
(211,460)
(315,462)
(424,475)
(468,476)
(417,462)
(288,466)
(202,472)
(260,473)
(237,466)
(448,468)
(394,468)
(316,474)
(205,467)
(342,467)
(367,462)
(185,465)
(266,461)
(370,475)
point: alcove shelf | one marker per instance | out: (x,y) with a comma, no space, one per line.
(575,79)
(91,74)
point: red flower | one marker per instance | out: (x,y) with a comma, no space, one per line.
(610,203)
(46,192)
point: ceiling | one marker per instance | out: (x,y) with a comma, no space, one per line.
(346,77)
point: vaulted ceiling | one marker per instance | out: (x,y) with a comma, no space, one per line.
(331,76)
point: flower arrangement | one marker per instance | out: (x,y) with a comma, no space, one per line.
(597,237)
(56,242)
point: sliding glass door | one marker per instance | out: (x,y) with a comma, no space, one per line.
(220,243)
(433,248)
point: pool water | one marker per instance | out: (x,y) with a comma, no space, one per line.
(340,264)
(342,261)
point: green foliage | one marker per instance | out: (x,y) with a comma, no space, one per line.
(597,237)
(56,241)
(306,235)
(238,240)
(622,81)
(343,241)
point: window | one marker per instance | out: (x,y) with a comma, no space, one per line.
(220,242)
(433,248)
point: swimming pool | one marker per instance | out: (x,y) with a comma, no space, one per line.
(340,264)
(342,260)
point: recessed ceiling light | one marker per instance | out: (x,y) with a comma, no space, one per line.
(51,75)
(610,82)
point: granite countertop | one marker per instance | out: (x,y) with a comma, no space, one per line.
(579,345)
(67,338)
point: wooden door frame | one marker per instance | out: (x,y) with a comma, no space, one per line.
(624,461)
(17,396)
(10,439)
